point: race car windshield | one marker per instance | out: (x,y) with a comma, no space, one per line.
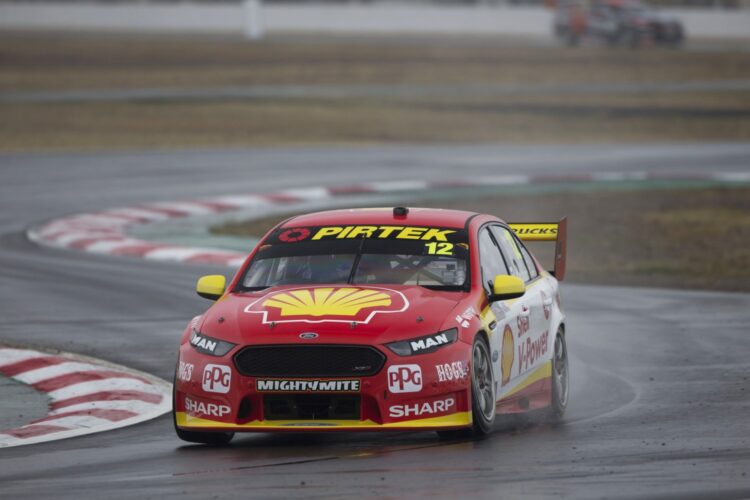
(381,255)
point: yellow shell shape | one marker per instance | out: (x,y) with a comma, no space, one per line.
(327,301)
(506,365)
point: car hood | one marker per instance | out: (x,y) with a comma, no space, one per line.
(336,313)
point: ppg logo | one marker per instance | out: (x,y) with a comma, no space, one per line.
(404,378)
(217,378)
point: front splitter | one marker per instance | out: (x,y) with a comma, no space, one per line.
(454,420)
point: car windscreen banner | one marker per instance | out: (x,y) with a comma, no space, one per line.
(414,240)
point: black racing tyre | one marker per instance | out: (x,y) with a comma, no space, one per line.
(560,379)
(482,394)
(482,387)
(202,437)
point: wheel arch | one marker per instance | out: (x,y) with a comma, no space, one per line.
(484,334)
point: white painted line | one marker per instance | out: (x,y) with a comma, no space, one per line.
(312,193)
(242,201)
(74,421)
(182,253)
(93,221)
(733,176)
(11,356)
(133,405)
(102,220)
(40,374)
(34,236)
(70,238)
(189,208)
(503,180)
(386,186)
(52,227)
(110,246)
(138,213)
(619,176)
(107,384)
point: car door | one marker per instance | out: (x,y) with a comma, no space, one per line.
(511,317)
(501,315)
(531,326)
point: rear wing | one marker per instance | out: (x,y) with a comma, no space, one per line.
(547,231)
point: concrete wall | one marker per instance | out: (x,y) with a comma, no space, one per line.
(533,21)
(714,23)
(141,16)
(529,21)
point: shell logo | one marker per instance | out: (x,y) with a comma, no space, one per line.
(506,364)
(328,304)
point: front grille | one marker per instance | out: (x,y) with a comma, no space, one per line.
(309,361)
(311,407)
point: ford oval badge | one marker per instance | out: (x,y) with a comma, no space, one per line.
(308,335)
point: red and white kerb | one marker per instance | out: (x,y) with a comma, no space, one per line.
(86,395)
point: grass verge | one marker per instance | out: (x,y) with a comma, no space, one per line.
(58,61)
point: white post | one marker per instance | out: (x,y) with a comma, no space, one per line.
(253,19)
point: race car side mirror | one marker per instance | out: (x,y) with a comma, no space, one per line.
(211,287)
(507,287)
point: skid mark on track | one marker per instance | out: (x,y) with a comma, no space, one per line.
(258,466)
(293,462)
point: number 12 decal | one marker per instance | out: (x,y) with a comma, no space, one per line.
(435,248)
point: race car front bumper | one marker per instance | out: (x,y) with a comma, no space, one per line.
(428,391)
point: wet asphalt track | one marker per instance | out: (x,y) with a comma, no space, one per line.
(660,404)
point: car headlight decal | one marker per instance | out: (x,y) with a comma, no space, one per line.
(207,345)
(425,344)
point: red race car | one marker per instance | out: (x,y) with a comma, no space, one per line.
(377,319)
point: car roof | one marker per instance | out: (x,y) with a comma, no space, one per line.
(436,217)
